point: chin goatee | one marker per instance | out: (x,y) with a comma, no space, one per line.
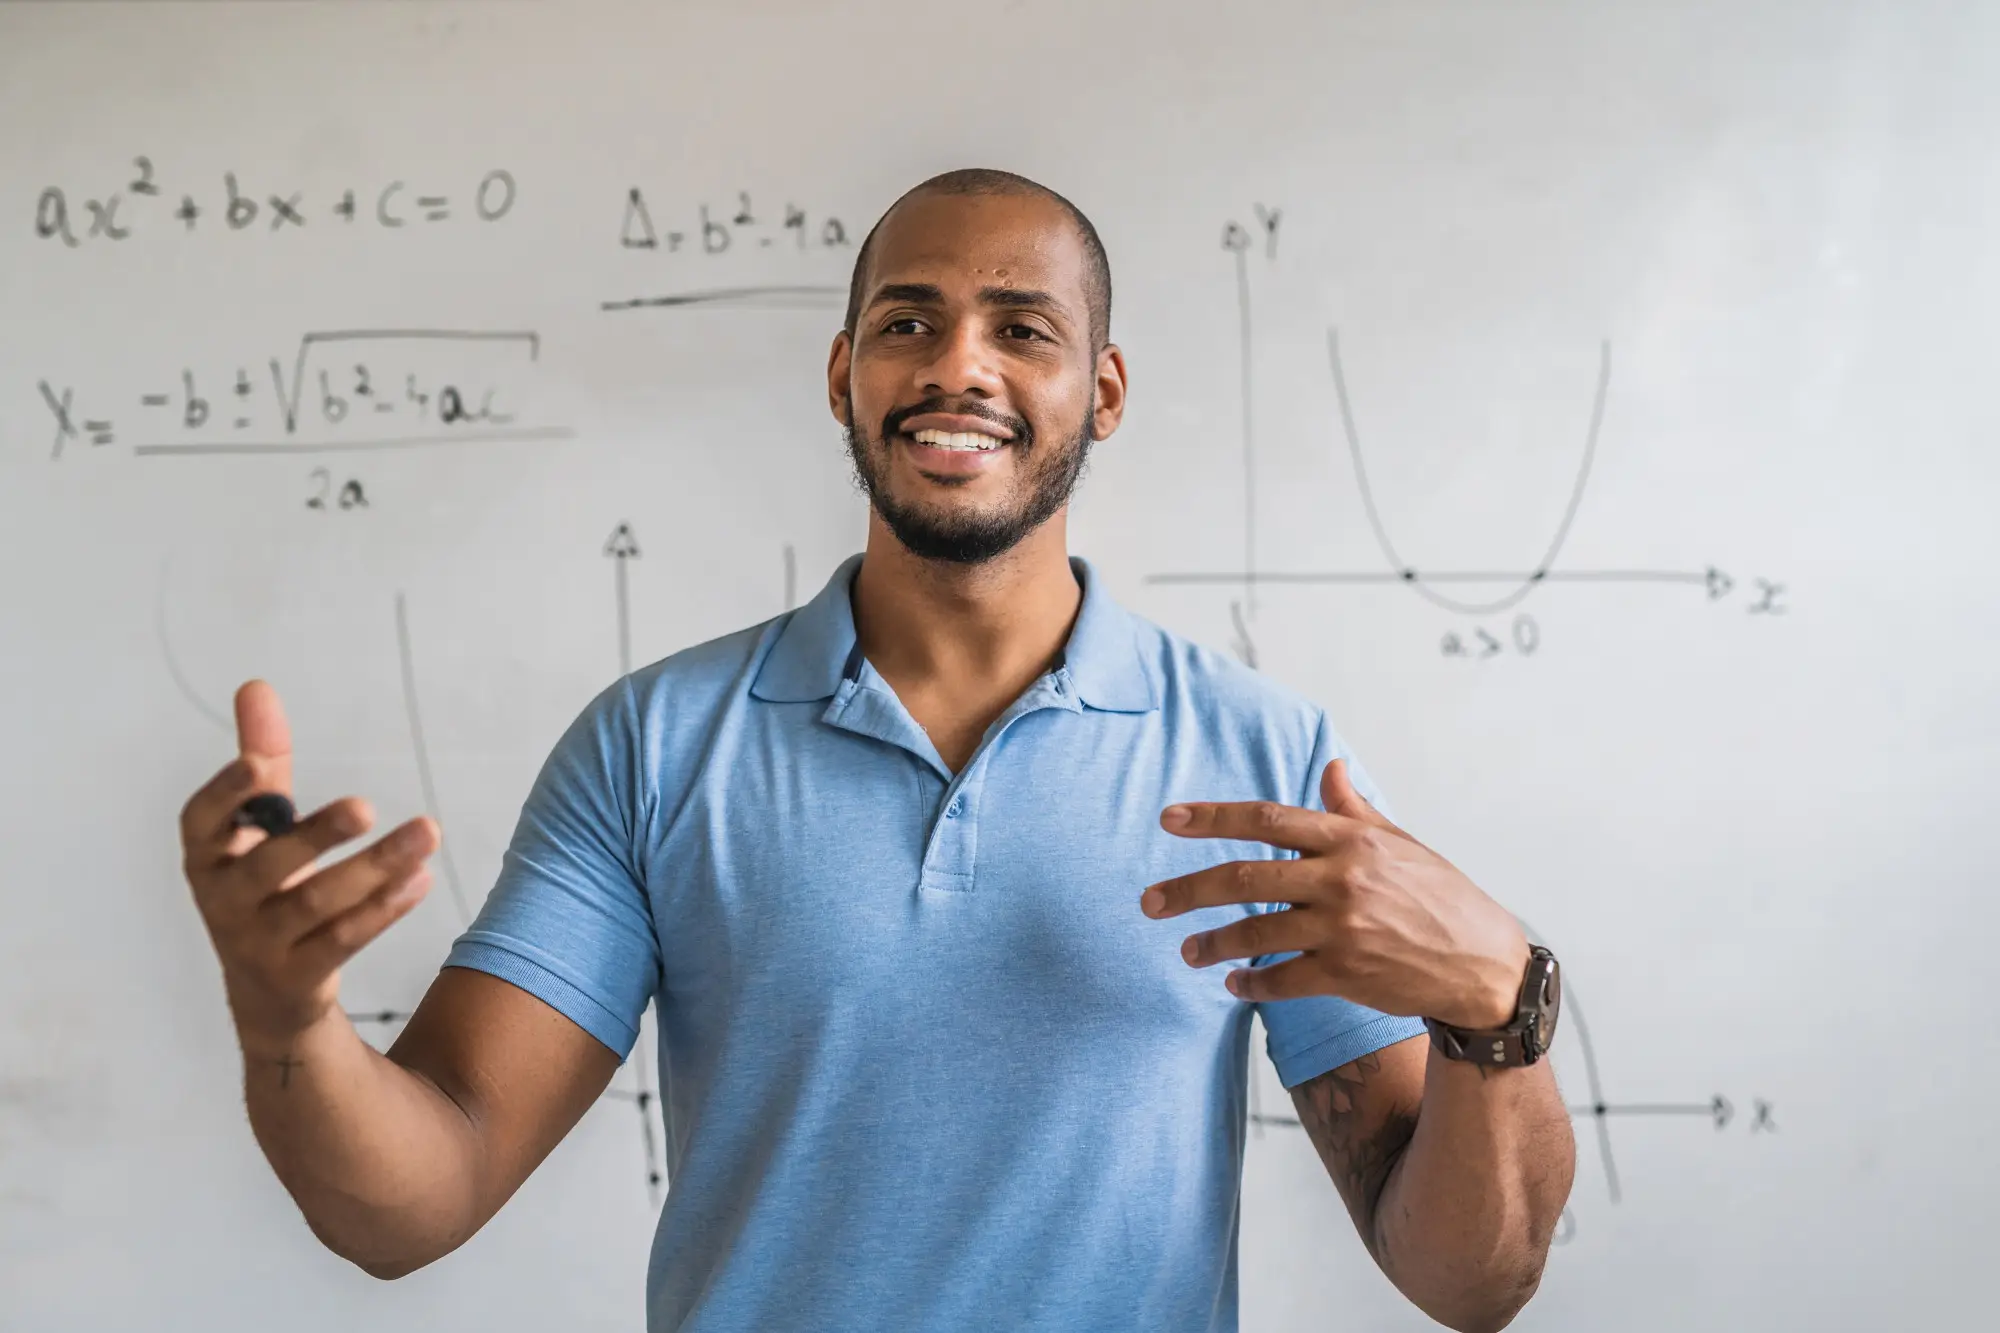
(970,539)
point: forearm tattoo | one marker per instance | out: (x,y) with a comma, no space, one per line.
(1358,1155)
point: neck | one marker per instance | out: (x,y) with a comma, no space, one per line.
(966,630)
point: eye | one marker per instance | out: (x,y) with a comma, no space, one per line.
(906,325)
(1024,332)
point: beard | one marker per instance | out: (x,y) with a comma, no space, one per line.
(1048,476)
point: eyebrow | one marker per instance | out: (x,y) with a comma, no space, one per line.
(1022,298)
(1013,298)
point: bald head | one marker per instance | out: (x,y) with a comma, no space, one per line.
(985,180)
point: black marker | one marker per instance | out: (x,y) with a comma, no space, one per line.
(270,811)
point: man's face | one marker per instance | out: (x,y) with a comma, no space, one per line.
(970,391)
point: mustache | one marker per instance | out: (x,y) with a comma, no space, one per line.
(1023,434)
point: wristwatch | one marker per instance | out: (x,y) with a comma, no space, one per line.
(1521,1042)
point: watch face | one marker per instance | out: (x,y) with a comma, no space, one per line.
(1551,1005)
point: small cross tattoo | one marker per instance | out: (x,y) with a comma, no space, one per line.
(286,1064)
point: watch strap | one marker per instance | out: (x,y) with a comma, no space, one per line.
(1500,1048)
(1521,1042)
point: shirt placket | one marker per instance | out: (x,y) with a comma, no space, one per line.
(952,853)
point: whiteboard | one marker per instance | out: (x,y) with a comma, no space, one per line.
(1599,395)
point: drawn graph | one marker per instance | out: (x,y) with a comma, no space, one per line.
(621,547)
(1598,1108)
(1458,591)
(1431,583)
(1453,590)
(1428,585)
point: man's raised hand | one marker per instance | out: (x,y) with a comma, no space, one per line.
(1375,916)
(281,925)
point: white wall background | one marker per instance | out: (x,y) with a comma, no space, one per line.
(1759,840)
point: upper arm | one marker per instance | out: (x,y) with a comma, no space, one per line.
(541,997)
(569,920)
(520,1071)
(1361,1116)
(1361,1112)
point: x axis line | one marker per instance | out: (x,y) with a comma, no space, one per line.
(1244,578)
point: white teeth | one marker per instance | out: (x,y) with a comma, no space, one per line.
(961,439)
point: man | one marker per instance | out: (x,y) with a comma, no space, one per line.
(909,872)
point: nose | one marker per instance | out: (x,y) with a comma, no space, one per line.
(962,364)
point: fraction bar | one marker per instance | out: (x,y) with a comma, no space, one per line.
(354,446)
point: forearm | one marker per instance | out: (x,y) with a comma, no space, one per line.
(1463,1223)
(381,1163)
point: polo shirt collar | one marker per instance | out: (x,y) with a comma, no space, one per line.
(810,657)
(816,649)
(1102,656)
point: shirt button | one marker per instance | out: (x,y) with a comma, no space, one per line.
(951,811)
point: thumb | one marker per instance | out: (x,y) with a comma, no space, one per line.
(261,730)
(1337,794)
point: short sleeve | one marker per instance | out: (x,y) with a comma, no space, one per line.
(1309,1036)
(568,920)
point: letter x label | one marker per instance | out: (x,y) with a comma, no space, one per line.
(65,428)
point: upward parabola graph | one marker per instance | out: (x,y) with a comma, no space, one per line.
(1453,590)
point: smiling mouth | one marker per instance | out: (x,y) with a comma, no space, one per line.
(958,441)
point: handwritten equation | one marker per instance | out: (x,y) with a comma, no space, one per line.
(344,388)
(141,202)
(720,229)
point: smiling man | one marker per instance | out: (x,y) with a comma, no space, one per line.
(929,879)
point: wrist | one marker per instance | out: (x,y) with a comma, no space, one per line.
(1493,992)
(268,1031)
(1520,1039)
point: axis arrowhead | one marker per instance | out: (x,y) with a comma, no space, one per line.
(621,544)
(1719,584)
(1722,1111)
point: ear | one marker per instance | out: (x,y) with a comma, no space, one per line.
(839,376)
(1111,384)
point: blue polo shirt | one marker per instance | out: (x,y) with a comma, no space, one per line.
(925,1065)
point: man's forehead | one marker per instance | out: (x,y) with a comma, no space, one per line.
(1020,240)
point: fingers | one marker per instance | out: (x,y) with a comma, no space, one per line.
(1254,936)
(210,834)
(1254,821)
(263,764)
(1286,881)
(281,927)
(316,902)
(268,867)
(261,729)
(280,946)
(1337,794)
(205,826)
(1293,979)
(337,940)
